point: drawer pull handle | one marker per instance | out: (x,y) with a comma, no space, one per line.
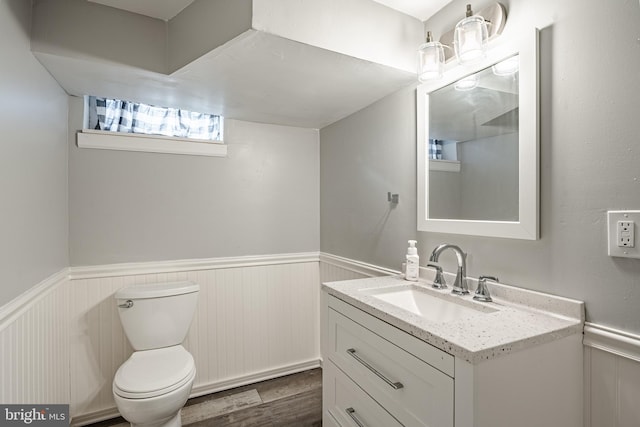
(393,385)
(352,413)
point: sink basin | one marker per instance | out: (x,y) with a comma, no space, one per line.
(433,307)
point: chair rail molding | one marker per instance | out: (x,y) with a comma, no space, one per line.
(20,304)
(612,340)
(176,266)
(359,267)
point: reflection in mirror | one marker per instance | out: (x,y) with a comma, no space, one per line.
(473,146)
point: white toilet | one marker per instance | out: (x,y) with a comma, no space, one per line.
(153,385)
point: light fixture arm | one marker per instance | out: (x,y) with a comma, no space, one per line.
(429,37)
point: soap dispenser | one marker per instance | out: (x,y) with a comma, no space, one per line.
(413,262)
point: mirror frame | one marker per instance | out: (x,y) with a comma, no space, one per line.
(527,226)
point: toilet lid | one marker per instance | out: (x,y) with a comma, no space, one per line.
(153,372)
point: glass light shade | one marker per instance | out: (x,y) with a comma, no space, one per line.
(470,39)
(430,61)
(507,67)
(467,83)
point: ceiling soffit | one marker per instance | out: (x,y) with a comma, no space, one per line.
(282,73)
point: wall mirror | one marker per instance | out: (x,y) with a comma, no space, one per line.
(478,145)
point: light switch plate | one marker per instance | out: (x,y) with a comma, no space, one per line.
(614,218)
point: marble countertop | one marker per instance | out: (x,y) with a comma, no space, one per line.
(518,318)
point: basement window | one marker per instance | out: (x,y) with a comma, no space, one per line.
(114,124)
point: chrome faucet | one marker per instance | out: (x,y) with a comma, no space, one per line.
(482,292)
(460,286)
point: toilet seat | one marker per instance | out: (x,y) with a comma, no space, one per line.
(151,373)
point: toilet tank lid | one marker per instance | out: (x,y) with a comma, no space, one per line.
(157,290)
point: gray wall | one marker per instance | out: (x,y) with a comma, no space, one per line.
(362,158)
(80,29)
(203,26)
(589,164)
(33,160)
(130,207)
(87,30)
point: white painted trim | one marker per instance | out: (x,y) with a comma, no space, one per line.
(214,387)
(130,269)
(95,417)
(586,385)
(527,226)
(359,267)
(444,165)
(17,306)
(150,144)
(611,340)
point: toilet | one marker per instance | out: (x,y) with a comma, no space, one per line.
(153,385)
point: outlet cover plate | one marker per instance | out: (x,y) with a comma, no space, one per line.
(613,217)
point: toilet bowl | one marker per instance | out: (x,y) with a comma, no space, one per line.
(153,385)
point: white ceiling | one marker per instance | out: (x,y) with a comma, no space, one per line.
(421,9)
(167,9)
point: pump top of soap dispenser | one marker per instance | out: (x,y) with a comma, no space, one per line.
(412,250)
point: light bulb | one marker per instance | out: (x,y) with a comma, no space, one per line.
(467,83)
(507,67)
(430,60)
(470,38)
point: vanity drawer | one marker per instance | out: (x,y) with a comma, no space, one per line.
(413,391)
(347,404)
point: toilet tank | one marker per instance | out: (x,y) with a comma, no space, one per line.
(157,315)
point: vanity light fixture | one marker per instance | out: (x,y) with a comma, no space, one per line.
(430,59)
(470,38)
(508,67)
(467,83)
(467,41)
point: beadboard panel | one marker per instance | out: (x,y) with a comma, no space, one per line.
(249,320)
(612,377)
(335,268)
(34,345)
(333,273)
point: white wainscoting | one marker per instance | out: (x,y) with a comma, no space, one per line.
(257,318)
(612,377)
(34,344)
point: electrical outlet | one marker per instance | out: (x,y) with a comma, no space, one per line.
(621,233)
(625,234)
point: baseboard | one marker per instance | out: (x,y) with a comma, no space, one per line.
(611,340)
(95,417)
(359,267)
(16,307)
(254,378)
(215,387)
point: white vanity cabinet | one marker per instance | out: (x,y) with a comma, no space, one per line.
(398,371)
(376,374)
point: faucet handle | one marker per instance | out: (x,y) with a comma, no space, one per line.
(482,292)
(438,282)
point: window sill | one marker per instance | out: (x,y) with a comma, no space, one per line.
(444,165)
(150,144)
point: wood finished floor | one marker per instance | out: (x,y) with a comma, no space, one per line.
(291,401)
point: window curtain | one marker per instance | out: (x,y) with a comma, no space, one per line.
(115,115)
(435,149)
